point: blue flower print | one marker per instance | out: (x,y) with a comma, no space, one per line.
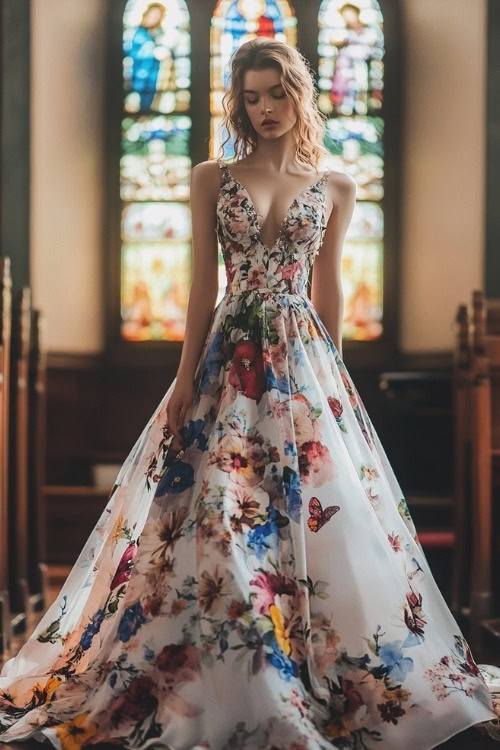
(178,477)
(92,629)
(282,385)
(214,360)
(286,666)
(192,432)
(292,488)
(262,538)
(398,665)
(131,621)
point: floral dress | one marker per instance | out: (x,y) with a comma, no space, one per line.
(263,588)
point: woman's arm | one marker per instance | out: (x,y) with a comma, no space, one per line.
(205,182)
(205,185)
(326,290)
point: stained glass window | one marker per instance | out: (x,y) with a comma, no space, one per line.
(155,170)
(350,82)
(233,23)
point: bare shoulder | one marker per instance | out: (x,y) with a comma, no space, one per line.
(206,170)
(341,185)
(206,177)
(341,193)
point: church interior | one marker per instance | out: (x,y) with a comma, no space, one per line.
(95,258)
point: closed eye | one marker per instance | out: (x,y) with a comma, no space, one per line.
(275,96)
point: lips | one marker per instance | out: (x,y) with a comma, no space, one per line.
(268,122)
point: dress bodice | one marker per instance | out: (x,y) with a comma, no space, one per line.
(250,264)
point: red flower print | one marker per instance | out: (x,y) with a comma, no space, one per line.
(179,662)
(470,665)
(247,369)
(413,614)
(136,703)
(236,609)
(335,406)
(124,568)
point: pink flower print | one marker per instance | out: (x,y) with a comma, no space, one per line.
(372,497)
(279,409)
(238,217)
(270,585)
(395,542)
(315,464)
(257,276)
(291,270)
(370,473)
(305,427)
(278,355)
(350,390)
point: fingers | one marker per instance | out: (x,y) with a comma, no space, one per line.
(182,420)
(179,416)
(173,420)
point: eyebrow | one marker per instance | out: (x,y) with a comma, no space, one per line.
(251,91)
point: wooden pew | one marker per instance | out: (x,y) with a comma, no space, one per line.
(5,334)
(485,464)
(477,445)
(37,525)
(461,387)
(482,362)
(18,464)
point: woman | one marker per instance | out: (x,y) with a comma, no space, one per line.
(255,581)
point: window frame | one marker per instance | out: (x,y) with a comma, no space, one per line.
(382,352)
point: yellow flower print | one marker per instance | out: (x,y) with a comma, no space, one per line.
(280,632)
(74,734)
(117,529)
(336,729)
(50,687)
(399,695)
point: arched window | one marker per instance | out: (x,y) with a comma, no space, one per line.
(161,120)
(351,82)
(155,169)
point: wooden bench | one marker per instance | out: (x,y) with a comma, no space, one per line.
(5,334)
(477,447)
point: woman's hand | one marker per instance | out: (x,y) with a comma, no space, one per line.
(179,402)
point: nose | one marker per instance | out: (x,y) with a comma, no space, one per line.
(265,109)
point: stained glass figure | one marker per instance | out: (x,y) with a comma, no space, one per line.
(350,82)
(155,169)
(156,63)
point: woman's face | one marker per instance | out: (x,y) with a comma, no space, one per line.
(267,102)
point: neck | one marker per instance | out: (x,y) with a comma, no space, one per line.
(277,154)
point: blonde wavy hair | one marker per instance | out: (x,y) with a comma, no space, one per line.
(298,82)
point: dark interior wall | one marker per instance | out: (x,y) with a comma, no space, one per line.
(15,137)
(492,210)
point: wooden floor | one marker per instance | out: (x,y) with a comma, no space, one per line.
(469,740)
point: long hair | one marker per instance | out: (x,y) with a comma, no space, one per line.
(297,80)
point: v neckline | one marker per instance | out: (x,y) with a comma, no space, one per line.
(267,248)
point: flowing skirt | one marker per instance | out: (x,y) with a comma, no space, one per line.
(261,589)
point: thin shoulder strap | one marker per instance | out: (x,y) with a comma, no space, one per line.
(325,175)
(226,174)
